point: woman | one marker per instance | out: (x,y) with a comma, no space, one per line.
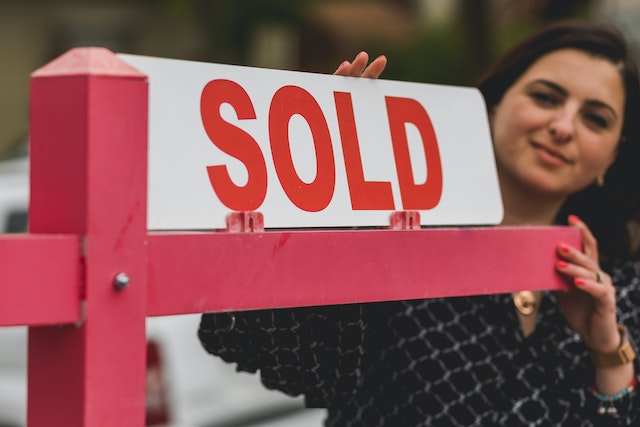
(562,105)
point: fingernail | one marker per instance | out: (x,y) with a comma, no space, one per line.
(578,281)
(574,218)
(564,248)
(561,264)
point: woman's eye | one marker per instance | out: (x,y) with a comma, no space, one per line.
(544,98)
(596,120)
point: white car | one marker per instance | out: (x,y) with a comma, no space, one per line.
(185,386)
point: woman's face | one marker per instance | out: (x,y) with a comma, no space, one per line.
(556,129)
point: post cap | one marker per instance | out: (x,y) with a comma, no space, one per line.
(94,61)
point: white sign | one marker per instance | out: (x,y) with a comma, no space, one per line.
(312,150)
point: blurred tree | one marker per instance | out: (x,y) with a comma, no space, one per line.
(450,51)
(560,9)
(231,23)
(473,17)
(435,55)
(528,15)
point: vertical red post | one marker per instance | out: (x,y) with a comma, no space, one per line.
(88,152)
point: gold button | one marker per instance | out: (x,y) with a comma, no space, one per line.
(525,302)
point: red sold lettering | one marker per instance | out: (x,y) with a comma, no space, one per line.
(235,142)
(365,195)
(316,195)
(286,102)
(414,196)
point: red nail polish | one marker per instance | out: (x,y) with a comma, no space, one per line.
(564,248)
(574,218)
(561,264)
(578,281)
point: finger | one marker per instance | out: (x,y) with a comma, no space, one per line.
(587,281)
(574,271)
(376,67)
(344,69)
(359,64)
(589,242)
(604,296)
(575,256)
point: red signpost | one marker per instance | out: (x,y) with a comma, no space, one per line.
(88,273)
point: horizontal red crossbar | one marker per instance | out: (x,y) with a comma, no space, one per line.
(198,272)
(190,273)
(39,279)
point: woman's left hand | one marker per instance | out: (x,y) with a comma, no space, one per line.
(360,67)
(589,306)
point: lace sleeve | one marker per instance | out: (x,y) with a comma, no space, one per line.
(626,412)
(313,351)
(626,278)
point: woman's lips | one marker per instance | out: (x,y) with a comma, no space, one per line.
(550,155)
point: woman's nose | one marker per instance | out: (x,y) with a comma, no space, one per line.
(562,125)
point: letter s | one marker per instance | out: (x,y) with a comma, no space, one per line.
(236,143)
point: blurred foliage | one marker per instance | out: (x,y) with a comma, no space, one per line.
(451,51)
(230,23)
(511,31)
(451,47)
(436,55)
(443,53)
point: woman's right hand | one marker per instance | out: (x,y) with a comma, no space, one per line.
(359,67)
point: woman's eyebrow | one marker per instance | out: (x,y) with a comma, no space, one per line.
(551,85)
(591,102)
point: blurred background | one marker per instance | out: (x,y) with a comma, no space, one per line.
(435,41)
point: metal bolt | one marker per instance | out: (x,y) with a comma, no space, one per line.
(121,281)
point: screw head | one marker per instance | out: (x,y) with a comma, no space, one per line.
(121,281)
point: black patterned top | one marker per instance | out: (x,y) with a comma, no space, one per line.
(439,362)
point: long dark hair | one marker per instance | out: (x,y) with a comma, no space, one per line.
(608,209)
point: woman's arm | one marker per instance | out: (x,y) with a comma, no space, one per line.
(590,308)
(313,351)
